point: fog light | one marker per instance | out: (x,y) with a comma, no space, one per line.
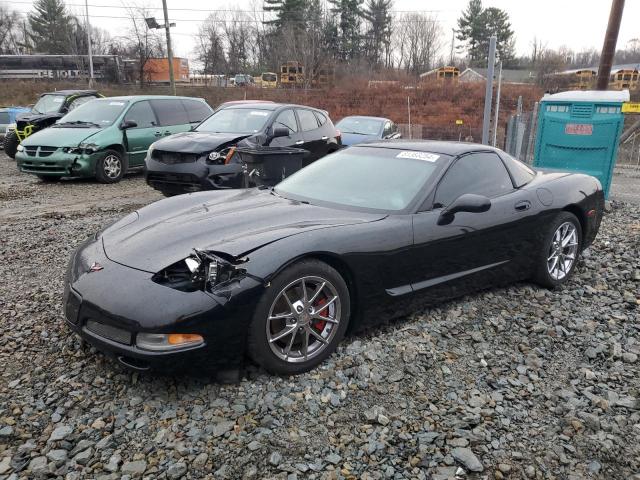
(169,341)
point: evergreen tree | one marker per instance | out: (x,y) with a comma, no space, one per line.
(50,26)
(350,40)
(496,22)
(471,30)
(378,37)
(477,24)
(290,13)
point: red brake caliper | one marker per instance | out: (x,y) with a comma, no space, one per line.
(320,324)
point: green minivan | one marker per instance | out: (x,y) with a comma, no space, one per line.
(105,137)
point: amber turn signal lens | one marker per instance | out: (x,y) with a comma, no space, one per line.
(227,159)
(182,338)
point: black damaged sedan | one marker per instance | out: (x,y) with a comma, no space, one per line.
(358,237)
(205,158)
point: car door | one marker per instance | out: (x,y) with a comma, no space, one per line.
(474,248)
(172,116)
(138,139)
(312,136)
(287,119)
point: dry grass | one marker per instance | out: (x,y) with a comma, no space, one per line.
(435,105)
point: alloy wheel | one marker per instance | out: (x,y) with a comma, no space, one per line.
(562,251)
(303,319)
(112,166)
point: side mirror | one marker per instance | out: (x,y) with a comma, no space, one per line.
(128,124)
(277,132)
(469,202)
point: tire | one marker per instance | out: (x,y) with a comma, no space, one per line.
(555,262)
(268,339)
(49,179)
(111,167)
(11,143)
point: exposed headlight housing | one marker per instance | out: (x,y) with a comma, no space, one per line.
(167,341)
(222,156)
(20,148)
(11,127)
(202,271)
(83,148)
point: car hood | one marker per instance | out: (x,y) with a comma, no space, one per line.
(60,137)
(196,142)
(235,222)
(33,117)
(353,138)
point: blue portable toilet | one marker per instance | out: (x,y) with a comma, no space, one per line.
(579,131)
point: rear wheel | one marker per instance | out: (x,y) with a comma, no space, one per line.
(560,250)
(300,319)
(110,168)
(11,143)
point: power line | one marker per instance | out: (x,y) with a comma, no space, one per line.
(200,10)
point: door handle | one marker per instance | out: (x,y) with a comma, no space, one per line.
(324,138)
(157,134)
(299,142)
(167,132)
(523,205)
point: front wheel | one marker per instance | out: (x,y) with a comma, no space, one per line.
(560,250)
(11,142)
(300,319)
(110,168)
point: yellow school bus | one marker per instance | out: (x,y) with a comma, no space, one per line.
(269,80)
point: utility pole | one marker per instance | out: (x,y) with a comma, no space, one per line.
(169,51)
(88,27)
(609,46)
(486,120)
(453,42)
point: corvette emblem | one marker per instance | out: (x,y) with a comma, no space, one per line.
(95,267)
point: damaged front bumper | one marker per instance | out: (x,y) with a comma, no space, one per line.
(192,177)
(113,307)
(57,163)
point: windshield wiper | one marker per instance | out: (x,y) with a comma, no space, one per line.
(358,133)
(79,122)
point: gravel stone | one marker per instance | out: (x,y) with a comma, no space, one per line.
(134,469)
(60,433)
(177,470)
(466,457)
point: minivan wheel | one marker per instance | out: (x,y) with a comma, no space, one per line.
(110,168)
(559,251)
(11,143)
(300,318)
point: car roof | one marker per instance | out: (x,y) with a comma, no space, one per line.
(72,92)
(367,117)
(271,106)
(150,97)
(432,146)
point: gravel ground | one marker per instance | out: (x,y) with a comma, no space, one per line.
(510,383)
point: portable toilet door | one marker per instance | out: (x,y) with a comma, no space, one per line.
(579,131)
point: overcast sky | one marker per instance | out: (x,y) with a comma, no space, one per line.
(577,24)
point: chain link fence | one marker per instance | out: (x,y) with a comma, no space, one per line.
(629,152)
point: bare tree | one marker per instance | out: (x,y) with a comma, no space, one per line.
(418,41)
(141,42)
(13,38)
(538,47)
(209,49)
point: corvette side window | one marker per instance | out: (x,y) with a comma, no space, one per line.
(479,173)
(286,119)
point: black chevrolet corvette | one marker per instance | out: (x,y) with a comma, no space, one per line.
(360,236)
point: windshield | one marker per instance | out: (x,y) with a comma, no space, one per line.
(366,177)
(95,113)
(360,126)
(235,120)
(269,77)
(4,118)
(49,104)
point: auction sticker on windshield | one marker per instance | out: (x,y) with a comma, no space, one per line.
(259,114)
(429,157)
(117,104)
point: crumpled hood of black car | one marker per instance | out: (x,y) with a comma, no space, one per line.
(232,222)
(196,142)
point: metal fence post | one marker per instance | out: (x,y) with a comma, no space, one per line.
(486,122)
